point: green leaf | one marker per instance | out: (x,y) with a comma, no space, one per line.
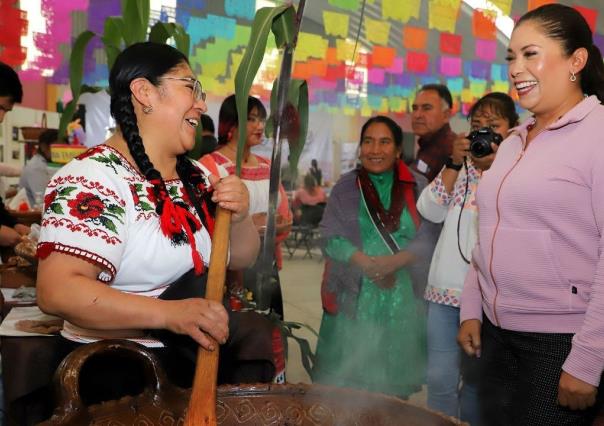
(297,95)
(250,63)
(115,209)
(146,206)
(107,223)
(115,158)
(56,208)
(112,38)
(162,31)
(76,74)
(101,160)
(284,27)
(173,191)
(138,187)
(135,14)
(66,191)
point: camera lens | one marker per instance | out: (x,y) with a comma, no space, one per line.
(480,147)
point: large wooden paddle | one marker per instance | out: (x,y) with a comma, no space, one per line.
(202,405)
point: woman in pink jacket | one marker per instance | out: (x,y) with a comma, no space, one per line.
(533,303)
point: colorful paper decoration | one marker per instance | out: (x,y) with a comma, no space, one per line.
(534,4)
(13,25)
(375,75)
(336,24)
(478,87)
(310,45)
(486,49)
(401,11)
(345,50)
(590,15)
(383,56)
(483,24)
(499,72)
(455,85)
(480,69)
(417,62)
(504,5)
(377,31)
(415,38)
(351,5)
(442,14)
(450,66)
(397,66)
(245,9)
(599,41)
(500,86)
(450,44)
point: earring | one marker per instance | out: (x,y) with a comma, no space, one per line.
(573,77)
(148,109)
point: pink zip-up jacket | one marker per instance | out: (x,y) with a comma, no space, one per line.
(538,265)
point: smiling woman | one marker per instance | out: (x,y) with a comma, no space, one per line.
(129,223)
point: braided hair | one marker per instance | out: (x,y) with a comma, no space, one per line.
(151,61)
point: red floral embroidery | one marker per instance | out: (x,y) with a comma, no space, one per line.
(49,199)
(135,196)
(151,194)
(184,195)
(90,152)
(86,206)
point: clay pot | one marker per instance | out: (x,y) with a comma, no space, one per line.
(263,404)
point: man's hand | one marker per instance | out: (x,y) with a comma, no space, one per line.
(575,393)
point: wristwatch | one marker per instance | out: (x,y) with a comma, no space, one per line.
(449,164)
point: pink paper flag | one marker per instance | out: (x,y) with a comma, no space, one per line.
(486,50)
(376,75)
(396,67)
(450,66)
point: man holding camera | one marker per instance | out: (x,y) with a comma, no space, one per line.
(449,199)
(431,112)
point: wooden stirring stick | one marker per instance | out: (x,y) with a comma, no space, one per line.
(202,405)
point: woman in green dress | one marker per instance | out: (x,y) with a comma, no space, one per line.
(372,333)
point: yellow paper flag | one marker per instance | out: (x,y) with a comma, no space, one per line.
(377,31)
(504,5)
(500,86)
(478,87)
(401,10)
(310,45)
(336,24)
(366,110)
(345,50)
(442,15)
(466,96)
(349,111)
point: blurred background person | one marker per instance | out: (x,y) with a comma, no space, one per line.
(431,112)
(450,199)
(316,172)
(205,141)
(255,174)
(36,173)
(309,202)
(532,305)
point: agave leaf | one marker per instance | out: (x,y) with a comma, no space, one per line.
(76,74)
(252,58)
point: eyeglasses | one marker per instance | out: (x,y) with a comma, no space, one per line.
(198,92)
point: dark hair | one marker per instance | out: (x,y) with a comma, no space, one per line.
(48,137)
(10,85)
(442,90)
(150,61)
(207,123)
(569,27)
(500,104)
(227,117)
(395,129)
(310,183)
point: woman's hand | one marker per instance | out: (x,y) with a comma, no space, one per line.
(22,229)
(575,393)
(468,337)
(196,317)
(230,193)
(460,150)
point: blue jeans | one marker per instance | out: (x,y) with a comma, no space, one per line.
(452,376)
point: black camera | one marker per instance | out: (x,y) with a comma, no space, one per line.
(480,141)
